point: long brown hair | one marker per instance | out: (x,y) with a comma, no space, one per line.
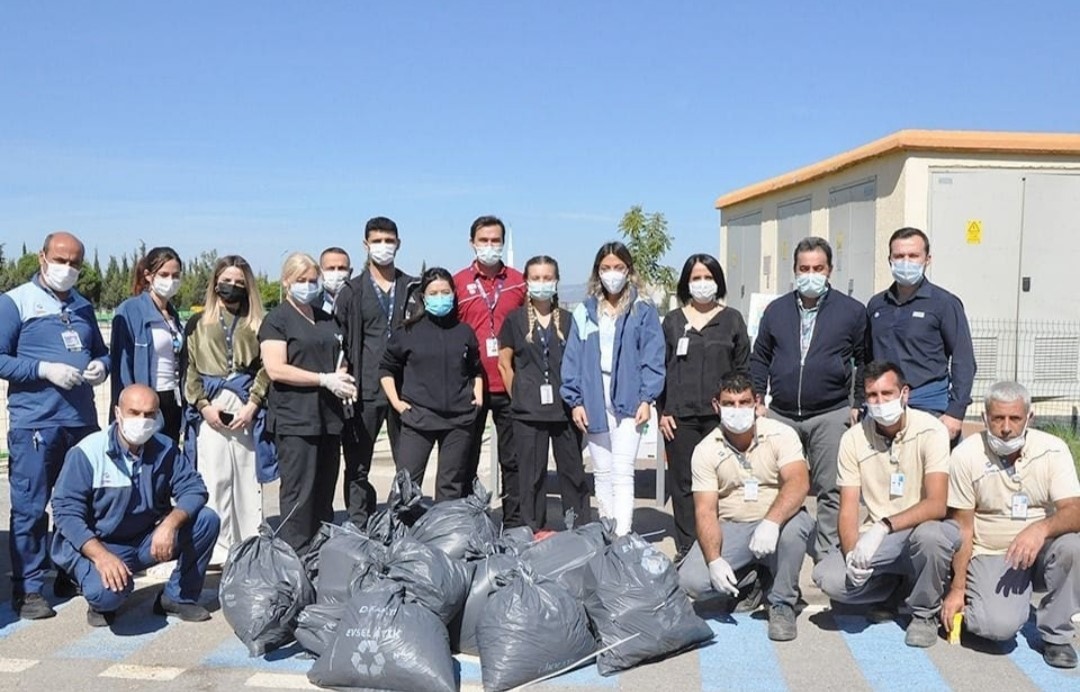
(152,262)
(531,311)
(596,288)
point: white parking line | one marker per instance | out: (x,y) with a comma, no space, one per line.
(129,671)
(16,665)
(281,681)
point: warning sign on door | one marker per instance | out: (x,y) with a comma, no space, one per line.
(974,232)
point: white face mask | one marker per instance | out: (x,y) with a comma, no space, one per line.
(811,284)
(613,281)
(165,287)
(334,279)
(137,431)
(304,292)
(382,254)
(489,255)
(1001,447)
(737,419)
(888,412)
(60,277)
(703,291)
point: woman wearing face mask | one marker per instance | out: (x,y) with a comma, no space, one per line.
(432,377)
(705,342)
(612,372)
(225,418)
(148,338)
(530,359)
(301,350)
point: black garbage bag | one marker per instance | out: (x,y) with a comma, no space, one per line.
(484,574)
(514,540)
(386,643)
(430,577)
(632,589)
(565,556)
(460,528)
(528,630)
(310,559)
(316,626)
(405,506)
(263,589)
(348,562)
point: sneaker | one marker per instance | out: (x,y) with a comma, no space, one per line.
(64,586)
(922,632)
(751,593)
(782,623)
(100,618)
(188,612)
(33,606)
(1059,655)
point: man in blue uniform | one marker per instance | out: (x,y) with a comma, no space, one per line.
(52,355)
(115,514)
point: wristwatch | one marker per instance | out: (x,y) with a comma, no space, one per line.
(888,524)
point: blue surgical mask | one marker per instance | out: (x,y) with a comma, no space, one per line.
(543,290)
(907,272)
(811,284)
(439,305)
(304,293)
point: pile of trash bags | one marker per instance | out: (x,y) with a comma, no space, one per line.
(386,605)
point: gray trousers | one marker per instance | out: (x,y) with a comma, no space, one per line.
(820,437)
(922,554)
(784,563)
(999,597)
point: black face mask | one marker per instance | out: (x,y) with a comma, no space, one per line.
(231,293)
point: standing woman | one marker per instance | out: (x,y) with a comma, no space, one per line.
(705,342)
(612,372)
(301,350)
(225,385)
(530,361)
(147,337)
(435,360)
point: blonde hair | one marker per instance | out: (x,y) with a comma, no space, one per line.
(212,303)
(296,264)
(596,287)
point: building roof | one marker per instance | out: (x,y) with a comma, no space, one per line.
(914,140)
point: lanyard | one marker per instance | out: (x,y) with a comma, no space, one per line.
(491,303)
(542,334)
(386,301)
(230,361)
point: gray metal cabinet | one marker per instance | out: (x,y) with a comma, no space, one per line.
(792,225)
(852,234)
(743,262)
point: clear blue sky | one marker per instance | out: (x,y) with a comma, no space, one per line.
(265,127)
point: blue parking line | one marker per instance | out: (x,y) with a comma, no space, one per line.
(743,639)
(128,634)
(1031,663)
(10,622)
(232,653)
(884,660)
(586,676)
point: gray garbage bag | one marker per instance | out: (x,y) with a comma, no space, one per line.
(514,540)
(565,556)
(310,559)
(316,626)
(263,589)
(484,574)
(386,643)
(632,589)
(348,562)
(430,577)
(528,630)
(460,528)
(405,506)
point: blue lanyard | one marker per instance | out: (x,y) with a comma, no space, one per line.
(386,301)
(542,334)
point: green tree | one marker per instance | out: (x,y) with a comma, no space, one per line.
(114,285)
(89,284)
(198,271)
(648,239)
(26,267)
(269,291)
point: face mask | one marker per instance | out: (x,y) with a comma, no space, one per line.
(138,430)
(334,279)
(1004,448)
(304,293)
(703,291)
(613,281)
(907,273)
(382,254)
(439,305)
(887,413)
(543,290)
(231,293)
(60,277)
(489,255)
(165,288)
(737,419)
(810,284)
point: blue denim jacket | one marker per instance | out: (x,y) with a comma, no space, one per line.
(132,349)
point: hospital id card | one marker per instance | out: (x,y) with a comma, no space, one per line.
(683,346)
(1019,506)
(492,347)
(547,395)
(72,342)
(750,490)
(896,485)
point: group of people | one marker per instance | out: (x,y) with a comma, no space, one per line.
(853,405)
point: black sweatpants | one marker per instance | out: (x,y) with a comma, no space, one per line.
(171,415)
(689,432)
(309,470)
(452,481)
(499,405)
(531,440)
(358,445)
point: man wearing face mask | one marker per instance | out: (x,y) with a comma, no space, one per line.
(896,462)
(370,308)
(750,481)
(125,500)
(809,348)
(487,292)
(922,328)
(1015,493)
(52,355)
(335,268)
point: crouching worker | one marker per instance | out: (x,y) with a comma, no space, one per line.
(750,481)
(126,499)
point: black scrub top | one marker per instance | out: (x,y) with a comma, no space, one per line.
(530,364)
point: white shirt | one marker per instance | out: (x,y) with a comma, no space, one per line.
(163,368)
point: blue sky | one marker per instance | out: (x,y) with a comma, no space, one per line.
(262,128)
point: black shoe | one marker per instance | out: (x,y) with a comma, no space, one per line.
(188,612)
(64,586)
(922,632)
(99,618)
(751,593)
(1059,655)
(782,626)
(32,606)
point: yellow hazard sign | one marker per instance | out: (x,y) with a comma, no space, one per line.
(974,232)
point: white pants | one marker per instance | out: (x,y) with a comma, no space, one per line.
(614,454)
(227,466)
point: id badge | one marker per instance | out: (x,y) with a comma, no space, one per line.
(492,347)
(1019,506)
(896,485)
(683,346)
(72,342)
(547,395)
(750,490)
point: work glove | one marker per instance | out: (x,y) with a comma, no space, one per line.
(763,541)
(95,373)
(868,544)
(341,384)
(723,577)
(62,375)
(857,575)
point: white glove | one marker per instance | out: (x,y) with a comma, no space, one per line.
(62,375)
(95,373)
(857,575)
(868,544)
(723,577)
(341,384)
(763,542)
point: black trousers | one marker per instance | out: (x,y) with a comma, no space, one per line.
(358,445)
(309,470)
(689,432)
(499,405)
(531,440)
(452,480)
(171,415)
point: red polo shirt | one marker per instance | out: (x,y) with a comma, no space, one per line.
(483,304)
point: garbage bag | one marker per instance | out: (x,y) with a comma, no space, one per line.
(530,629)
(460,528)
(514,540)
(483,574)
(263,589)
(632,589)
(348,562)
(384,642)
(316,626)
(405,506)
(430,577)
(565,556)
(310,559)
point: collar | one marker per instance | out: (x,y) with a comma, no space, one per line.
(754,441)
(477,274)
(116,449)
(925,290)
(36,280)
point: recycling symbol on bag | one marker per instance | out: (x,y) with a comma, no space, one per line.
(377,660)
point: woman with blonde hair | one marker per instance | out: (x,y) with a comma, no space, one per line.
(302,352)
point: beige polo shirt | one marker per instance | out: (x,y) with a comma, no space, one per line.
(868,461)
(719,468)
(980,480)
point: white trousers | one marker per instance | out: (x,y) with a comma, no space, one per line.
(614,454)
(227,466)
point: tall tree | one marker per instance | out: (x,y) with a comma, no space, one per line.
(648,239)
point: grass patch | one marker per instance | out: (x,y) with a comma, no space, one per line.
(1071,438)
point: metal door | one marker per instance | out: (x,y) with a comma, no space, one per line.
(852,233)
(743,265)
(792,225)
